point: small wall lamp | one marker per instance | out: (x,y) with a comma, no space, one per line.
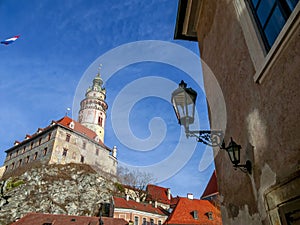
(233,151)
(184,101)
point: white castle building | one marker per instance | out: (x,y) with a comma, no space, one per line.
(68,141)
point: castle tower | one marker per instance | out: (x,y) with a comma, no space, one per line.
(92,113)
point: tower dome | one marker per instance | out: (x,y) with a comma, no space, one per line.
(92,113)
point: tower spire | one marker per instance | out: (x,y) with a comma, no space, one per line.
(92,113)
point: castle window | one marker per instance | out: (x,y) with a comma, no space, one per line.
(49,137)
(159,222)
(151,221)
(35,156)
(6,167)
(65,151)
(24,149)
(12,165)
(100,121)
(136,220)
(40,141)
(20,163)
(97,151)
(45,151)
(68,137)
(27,159)
(84,145)
(31,145)
(10,155)
(144,221)
(82,159)
(17,153)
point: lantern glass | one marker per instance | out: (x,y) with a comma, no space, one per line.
(183,100)
(234,152)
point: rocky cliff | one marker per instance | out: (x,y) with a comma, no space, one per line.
(73,189)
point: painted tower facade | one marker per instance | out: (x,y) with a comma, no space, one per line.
(92,113)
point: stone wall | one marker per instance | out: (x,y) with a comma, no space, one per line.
(263,117)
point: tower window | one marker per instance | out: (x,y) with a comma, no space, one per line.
(82,159)
(12,165)
(31,145)
(100,121)
(10,156)
(40,141)
(68,137)
(27,159)
(24,149)
(97,151)
(84,145)
(65,151)
(49,137)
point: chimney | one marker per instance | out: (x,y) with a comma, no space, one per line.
(137,199)
(114,152)
(190,196)
(155,204)
(127,197)
(16,143)
(169,193)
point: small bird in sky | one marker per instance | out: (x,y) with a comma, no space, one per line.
(10,40)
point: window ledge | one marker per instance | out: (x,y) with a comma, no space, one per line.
(279,45)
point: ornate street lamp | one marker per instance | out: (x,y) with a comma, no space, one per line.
(184,101)
(233,151)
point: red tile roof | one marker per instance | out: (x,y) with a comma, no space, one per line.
(183,212)
(65,121)
(159,194)
(144,207)
(212,186)
(41,219)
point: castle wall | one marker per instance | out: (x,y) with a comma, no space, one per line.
(37,148)
(71,147)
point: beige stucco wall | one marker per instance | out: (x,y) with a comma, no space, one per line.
(262,117)
(103,161)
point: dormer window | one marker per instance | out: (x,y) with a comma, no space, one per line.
(97,138)
(195,214)
(72,125)
(210,215)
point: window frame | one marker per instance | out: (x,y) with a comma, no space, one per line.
(285,11)
(262,60)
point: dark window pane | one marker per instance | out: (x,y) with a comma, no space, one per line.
(254,2)
(292,4)
(274,26)
(264,10)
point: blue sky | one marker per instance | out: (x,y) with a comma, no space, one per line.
(41,71)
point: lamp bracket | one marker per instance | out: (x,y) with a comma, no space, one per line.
(246,168)
(213,138)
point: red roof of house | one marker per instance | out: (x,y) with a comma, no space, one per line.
(41,219)
(143,207)
(212,186)
(159,194)
(65,121)
(185,208)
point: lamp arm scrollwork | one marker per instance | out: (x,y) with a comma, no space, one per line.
(213,138)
